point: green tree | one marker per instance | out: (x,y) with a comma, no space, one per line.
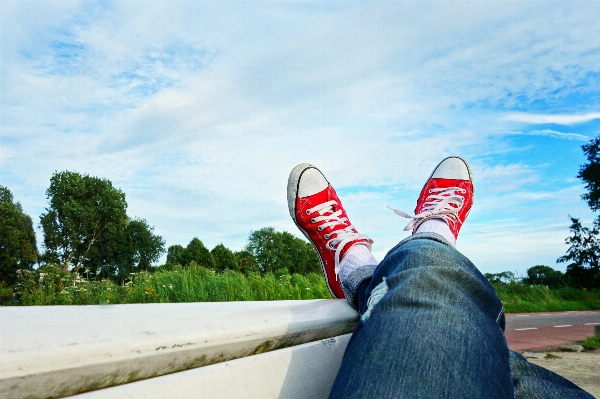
(197,252)
(141,247)
(224,258)
(82,209)
(18,249)
(125,251)
(265,247)
(584,250)
(246,262)
(544,275)
(176,255)
(274,250)
(589,173)
(583,254)
(501,278)
(299,255)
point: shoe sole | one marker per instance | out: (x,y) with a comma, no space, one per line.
(292,193)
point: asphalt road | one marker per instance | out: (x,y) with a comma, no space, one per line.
(517,321)
(527,331)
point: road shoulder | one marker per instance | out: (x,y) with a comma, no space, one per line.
(582,368)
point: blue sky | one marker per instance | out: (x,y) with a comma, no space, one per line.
(199,110)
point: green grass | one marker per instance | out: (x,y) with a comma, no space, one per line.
(517,298)
(51,286)
(591,343)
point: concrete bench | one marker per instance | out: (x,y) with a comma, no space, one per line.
(271,349)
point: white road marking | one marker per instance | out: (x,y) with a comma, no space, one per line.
(523,329)
(591,324)
(566,325)
(522,315)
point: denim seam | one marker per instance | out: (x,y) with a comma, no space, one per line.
(500,315)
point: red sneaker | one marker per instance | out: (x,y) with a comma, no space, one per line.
(447,194)
(319,214)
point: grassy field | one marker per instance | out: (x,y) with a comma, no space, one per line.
(517,297)
(50,285)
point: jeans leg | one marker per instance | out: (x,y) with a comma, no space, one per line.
(535,382)
(431,327)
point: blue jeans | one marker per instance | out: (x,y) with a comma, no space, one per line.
(432,326)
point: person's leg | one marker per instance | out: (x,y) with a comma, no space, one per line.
(534,382)
(430,328)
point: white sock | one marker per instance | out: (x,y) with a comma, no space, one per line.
(439,226)
(358,255)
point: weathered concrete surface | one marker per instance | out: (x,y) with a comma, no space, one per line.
(582,368)
(56,351)
(301,372)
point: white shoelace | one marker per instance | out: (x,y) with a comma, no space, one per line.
(343,236)
(444,203)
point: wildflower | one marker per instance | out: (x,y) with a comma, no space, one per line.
(171,286)
(308,288)
(164,286)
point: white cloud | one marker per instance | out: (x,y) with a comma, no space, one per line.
(555,134)
(538,119)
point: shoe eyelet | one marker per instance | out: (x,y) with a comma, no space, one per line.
(429,191)
(312,220)
(320,228)
(327,236)
(307,212)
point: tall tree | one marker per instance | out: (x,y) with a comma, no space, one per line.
(82,209)
(224,258)
(176,255)
(18,249)
(583,255)
(246,262)
(275,250)
(197,252)
(144,247)
(589,173)
(584,249)
(544,275)
(131,249)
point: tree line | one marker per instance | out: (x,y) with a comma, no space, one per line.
(267,251)
(86,229)
(537,275)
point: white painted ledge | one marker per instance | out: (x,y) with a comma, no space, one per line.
(300,372)
(56,351)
